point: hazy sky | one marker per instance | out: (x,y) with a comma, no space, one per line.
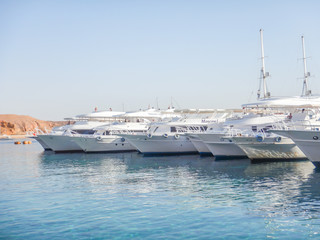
(62,58)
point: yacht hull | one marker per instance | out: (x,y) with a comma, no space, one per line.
(307,141)
(221,148)
(225,150)
(42,143)
(110,143)
(200,145)
(60,143)
(284,149)
(158,145)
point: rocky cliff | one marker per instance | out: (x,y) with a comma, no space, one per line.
(11,124)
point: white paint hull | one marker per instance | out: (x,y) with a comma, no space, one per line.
(42,143)
(269,149)
(225,150)
(111,143)
(308,142)
(60,143)
(161,145)
(200,146)
(221,148)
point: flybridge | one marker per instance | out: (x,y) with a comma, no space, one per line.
(286,102)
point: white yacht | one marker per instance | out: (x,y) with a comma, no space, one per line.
(268,146)
(264,146)
(105,138)
(218,139)
(63,138)
(60,140)
(169,137)
(220,118)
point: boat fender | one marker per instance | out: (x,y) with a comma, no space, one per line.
(99,138)
(176,136)
(149,135)
(315,138)
(165,135)
(259,138)
(278,139)
(123,139)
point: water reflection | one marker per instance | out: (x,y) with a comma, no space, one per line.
(272,197)
(286,189)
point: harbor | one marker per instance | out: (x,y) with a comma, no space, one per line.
(159,120)
(260,130)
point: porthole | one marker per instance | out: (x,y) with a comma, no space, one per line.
(315,138)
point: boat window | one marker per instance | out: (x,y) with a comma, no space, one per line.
(86,131)
(156,129)
(254,128)
(203,128)
(106,133)
(173,129)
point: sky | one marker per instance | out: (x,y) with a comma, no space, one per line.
(63,58)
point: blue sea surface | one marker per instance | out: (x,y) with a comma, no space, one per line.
(127,196)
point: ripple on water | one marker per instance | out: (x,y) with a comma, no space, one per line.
(128,196)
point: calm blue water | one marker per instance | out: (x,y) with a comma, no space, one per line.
(127,196)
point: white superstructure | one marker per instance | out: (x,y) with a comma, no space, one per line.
(172,137)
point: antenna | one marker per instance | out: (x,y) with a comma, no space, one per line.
(157,103)
(263,74)
(305,91)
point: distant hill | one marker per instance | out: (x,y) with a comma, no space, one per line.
(11,124)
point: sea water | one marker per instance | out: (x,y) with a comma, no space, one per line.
(127,196)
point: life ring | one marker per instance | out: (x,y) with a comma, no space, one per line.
(315,138)
(99,138)
(165,135)
(176,136)
(259,138)
(149,135)
(123,139)
(278,139)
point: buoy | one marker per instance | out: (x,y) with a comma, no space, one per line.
(25,142)
(17,142)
